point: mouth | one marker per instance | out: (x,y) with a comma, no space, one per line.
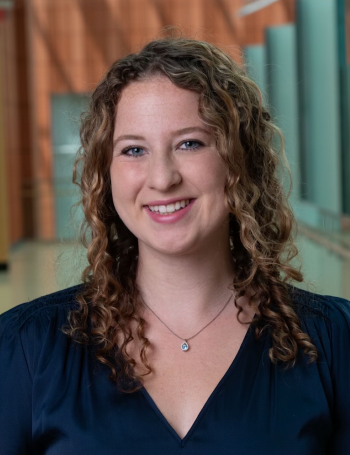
(169,208)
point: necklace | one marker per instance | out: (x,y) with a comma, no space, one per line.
(184,345)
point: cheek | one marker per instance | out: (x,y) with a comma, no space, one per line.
(124,182)
(212,178)
(213,186)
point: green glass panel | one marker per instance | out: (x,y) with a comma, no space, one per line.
(65,115)
(255,61)
(319,103)
(282,82)
(344,63)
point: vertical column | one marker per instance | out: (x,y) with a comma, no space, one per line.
(344,64)
(255,59)
(4,215)
(10,136)
(319,103)
(283,93)
(40,49)
(65,116)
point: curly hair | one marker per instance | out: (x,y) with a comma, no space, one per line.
(262,224)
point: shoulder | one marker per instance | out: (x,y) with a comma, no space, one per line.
(27,323)
(330,309)
(45,306)
(326,319)
(32,330)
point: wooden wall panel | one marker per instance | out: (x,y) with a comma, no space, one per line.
(11,127)
(278,13)
(23,109)
(42,57)
(223,26)
(4,208)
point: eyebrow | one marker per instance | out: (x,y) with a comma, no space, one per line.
(191,129)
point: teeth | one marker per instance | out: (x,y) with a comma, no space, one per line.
(170,208)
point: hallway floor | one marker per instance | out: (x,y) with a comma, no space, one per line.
(39,268)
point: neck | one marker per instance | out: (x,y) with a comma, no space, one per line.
(185,287)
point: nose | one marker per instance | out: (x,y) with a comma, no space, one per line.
(163,172)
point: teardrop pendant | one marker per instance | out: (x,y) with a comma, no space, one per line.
(185,347)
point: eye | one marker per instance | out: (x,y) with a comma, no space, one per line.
(133,151)
(191,145)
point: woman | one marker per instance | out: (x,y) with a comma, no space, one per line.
(185,304)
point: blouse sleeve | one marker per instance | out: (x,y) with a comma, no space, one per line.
(340,371)
(15,389)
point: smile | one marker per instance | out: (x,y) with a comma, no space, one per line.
(170,208)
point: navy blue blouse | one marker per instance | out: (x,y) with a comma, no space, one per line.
(56,398)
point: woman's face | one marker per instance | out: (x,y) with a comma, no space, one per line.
(165,160)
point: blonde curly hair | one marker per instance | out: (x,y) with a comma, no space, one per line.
(261,221)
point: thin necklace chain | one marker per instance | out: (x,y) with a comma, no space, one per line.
(201,330)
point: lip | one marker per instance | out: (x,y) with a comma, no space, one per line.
(172,217)
(167,201)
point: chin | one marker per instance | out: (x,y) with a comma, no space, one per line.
(172,247)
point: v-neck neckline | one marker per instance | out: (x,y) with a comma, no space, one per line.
(208,402)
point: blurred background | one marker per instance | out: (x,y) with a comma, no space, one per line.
(53,53)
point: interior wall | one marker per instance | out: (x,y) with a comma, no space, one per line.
(10,130)
(4,240)
(69,44)
(253,26)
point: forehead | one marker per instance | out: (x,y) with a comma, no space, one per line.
(156,102)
